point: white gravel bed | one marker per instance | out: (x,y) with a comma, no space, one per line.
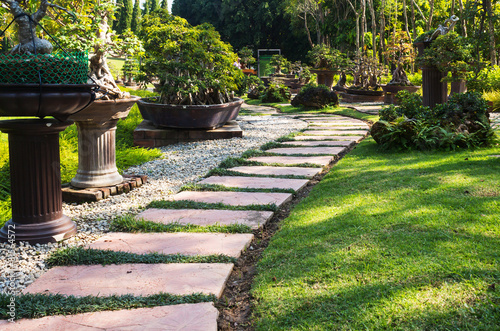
(180,164)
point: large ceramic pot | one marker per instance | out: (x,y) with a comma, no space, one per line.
(391,91)
(96,142)
(324,76)
(33,100)
(365,92)
(189,117)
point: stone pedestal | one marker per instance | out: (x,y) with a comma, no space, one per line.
(96,155)
(35,182)
(96,142)
(434,90)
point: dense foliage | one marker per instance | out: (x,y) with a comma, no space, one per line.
(317,97)
(188,65)
(462,122)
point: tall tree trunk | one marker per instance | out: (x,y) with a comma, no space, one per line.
(374,28)
(405,15)
(363,25)
(491,28)
(462,19)
(357,26)
(452,9)
(382,32)
(413,28)
(431,14)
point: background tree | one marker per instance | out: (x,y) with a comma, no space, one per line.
(136,16)
(125,14)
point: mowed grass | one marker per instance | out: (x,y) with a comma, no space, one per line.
(389,241)
(126,154)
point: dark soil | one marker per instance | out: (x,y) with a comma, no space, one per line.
(235,304)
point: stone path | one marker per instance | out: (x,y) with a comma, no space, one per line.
(317,147)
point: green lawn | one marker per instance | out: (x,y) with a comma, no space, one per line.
(396,241)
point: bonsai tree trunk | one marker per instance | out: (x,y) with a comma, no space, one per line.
(28,42)
(99,70)
(399,77)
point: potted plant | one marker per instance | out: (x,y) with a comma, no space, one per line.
(35,81)
(246,60)
(97,123)
(193,71)
(326,63)
(279,63)
(399,53)
(366,72)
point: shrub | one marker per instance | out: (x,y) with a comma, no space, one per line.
(315,97)
(462,122)
(248,83)
(276,93)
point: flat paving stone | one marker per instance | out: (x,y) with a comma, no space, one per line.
(326,138)
(235,198)
(136,279)
(175,243)
(193,317)
(278,171)
(335,132)
(203,217)
(307,150)
(335,126)
(319,160)
(256,182)
(338,128)
(320,143)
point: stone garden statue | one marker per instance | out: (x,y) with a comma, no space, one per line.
(448,25)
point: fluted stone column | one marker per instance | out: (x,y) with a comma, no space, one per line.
(96,155)
(35,177)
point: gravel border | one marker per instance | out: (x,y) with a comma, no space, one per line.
(180,164)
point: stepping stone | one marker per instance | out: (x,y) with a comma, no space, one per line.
(278,171)
(349,138)
(319,160)
(336,132)
(136,279)
(320,143)
(307,150)
(202,217)
(256,182)
(235,198)
(338,128)
(328,126)
(193,317)
(321,118)
(335,122)
(175,243)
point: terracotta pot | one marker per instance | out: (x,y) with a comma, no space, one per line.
(189,117)
(324,77)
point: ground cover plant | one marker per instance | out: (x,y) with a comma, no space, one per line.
(462,122)
(388,240)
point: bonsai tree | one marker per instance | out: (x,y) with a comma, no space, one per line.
(367,72)
(400,53)
(449,53)
(246,57)
(29,43)
(188,65)
(93,32)
(279,62)
(323,57)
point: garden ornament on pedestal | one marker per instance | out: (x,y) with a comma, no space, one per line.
(436,57)
(37,83)
(97,123)
(195,85)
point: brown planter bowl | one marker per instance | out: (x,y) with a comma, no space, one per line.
(365,92)
(33,100)
(189,117)
(104,110)
(396,88)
